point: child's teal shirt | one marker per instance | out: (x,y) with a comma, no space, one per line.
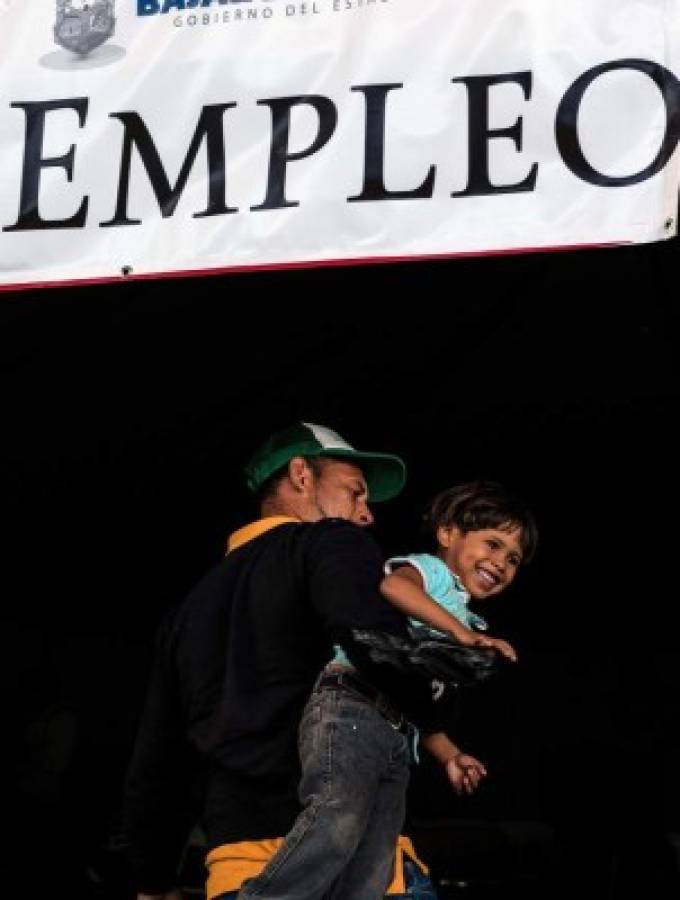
(443,585)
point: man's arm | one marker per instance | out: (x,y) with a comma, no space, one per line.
(344,571)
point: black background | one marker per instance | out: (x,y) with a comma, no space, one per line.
(128,412)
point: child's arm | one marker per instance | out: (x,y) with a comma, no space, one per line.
(463,771)
(404,589)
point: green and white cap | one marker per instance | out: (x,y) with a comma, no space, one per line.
(385,474)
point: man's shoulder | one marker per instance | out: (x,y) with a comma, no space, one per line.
(338,543)
(322,531)
(338,531)
(333,525)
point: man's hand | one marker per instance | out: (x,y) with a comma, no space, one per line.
(503,647)
(465,773)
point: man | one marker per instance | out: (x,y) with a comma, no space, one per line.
(237,660)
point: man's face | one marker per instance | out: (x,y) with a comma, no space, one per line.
(486,561)
(339,491)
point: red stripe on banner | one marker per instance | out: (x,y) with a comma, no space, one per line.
(310,264)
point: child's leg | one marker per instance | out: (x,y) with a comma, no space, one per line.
(346,748)
(369,872)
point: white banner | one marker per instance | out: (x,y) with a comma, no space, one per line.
(140,137)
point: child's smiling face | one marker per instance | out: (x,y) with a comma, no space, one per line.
(486,561)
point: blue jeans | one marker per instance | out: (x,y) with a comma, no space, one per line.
(352,793)
(418,886)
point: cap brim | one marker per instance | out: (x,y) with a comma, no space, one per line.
(385,474)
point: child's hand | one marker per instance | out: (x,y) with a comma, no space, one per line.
(466,636)
(503,647)
(464,772)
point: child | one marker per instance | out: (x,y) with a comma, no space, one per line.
(481,536)
(342,845)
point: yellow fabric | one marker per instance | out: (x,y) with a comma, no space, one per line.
(404,848)
(229,865)
(255,529)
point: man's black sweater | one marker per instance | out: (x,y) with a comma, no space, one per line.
(234,666)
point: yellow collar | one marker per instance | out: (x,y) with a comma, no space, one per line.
(255,529)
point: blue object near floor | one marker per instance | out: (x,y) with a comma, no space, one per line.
(418,885)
